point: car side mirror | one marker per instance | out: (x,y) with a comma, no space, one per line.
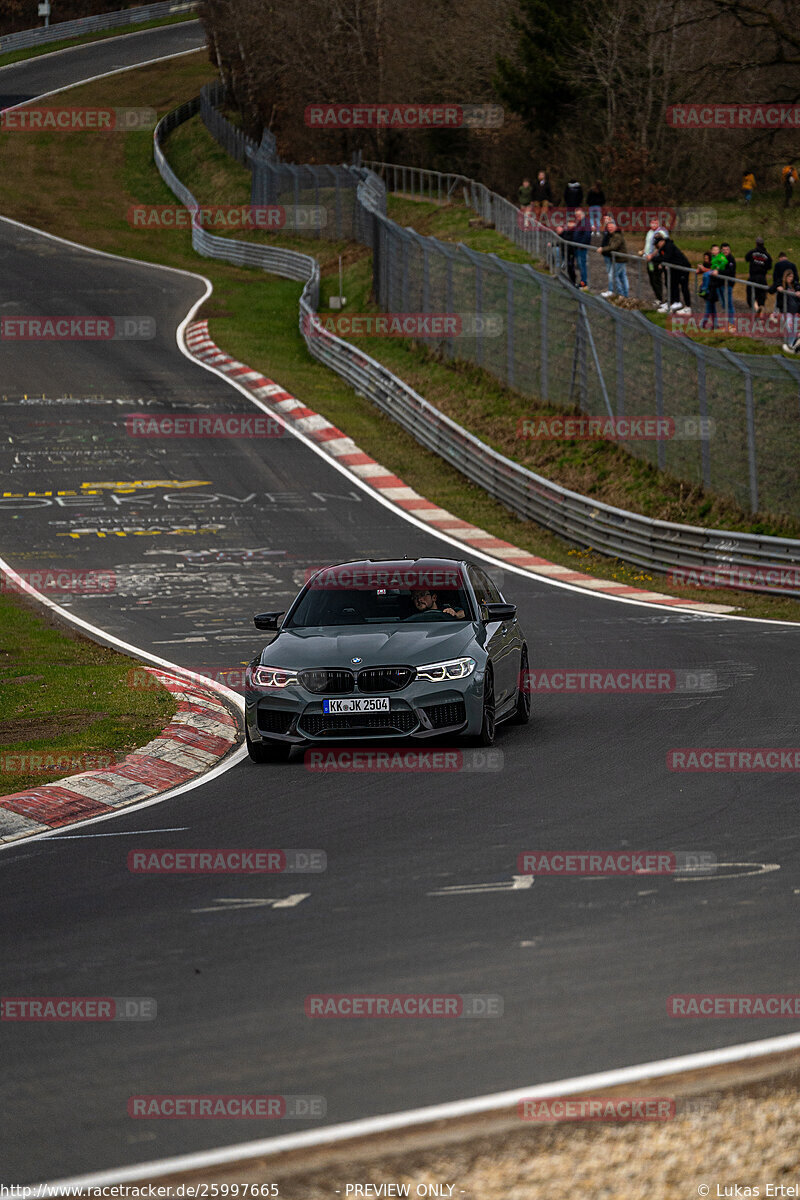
(269,620)
(499,612)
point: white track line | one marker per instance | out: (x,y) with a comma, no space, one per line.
(401,1121)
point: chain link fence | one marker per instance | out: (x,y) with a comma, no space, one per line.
(736,418)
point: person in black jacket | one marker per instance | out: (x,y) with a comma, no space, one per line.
(596,198)
(570,247)
(583,236)
(784,288)
(759,262)
(670,259)
(573,194)
(542,194)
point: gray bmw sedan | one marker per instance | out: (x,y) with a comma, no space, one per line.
(387,651)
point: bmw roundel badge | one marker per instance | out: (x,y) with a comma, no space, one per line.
(356,661)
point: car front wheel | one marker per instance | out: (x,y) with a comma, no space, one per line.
(264,752)
(488,724)
(522,712)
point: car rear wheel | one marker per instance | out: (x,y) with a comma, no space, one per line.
(488,723)
(264,752)
(522,713)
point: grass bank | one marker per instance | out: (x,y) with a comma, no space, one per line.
(65,700)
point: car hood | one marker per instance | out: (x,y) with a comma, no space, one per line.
(376,645)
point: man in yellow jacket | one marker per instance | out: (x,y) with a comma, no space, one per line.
(748,186)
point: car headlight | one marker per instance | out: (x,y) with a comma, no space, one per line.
(454,668)
(273,677)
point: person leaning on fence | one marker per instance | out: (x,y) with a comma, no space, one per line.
(570,247)
(542,194)
(707,291)
(605,238)
(618,273)
(555,249)
(650,254)
(596,198)
(583,236)
(729,271)
(789,177)
(573,194)
(789,295)
(748,187)
(784,271)
(759,262)
(676,268)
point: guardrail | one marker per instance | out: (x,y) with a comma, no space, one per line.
(64,30)
(658,545)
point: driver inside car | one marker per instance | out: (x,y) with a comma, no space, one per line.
(426,601)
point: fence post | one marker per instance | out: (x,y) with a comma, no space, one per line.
(661,450)
(620,367)
(752,462)
(544,289)
(705,453)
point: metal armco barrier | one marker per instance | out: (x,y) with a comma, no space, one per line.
(27,38)
(658,545)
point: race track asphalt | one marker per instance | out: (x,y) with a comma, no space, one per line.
(200,534)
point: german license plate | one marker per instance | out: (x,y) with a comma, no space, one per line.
(357,704)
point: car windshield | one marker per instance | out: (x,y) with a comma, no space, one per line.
(327,601)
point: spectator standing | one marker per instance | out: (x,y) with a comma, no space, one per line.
(573,194)
(789,177)
(675,265)
(583,237)
(707,291)
(596,198)
(791,302)
(759,262)
(748,187)
(557,258)
(607,259)
(783,268)
(650,254)
(618,273)
(569,240)
(525,195)
(542,195)
(729,271)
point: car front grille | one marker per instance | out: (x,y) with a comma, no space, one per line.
(384,679)
(329,725)
(443,715)
(274,720)
(328,682)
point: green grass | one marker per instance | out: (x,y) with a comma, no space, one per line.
(100,35)
(65,695)
(254,316)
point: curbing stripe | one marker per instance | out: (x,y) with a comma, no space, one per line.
(201,732)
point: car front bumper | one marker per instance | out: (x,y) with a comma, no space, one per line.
(294,716)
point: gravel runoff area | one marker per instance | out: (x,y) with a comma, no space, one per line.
(743,1130)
